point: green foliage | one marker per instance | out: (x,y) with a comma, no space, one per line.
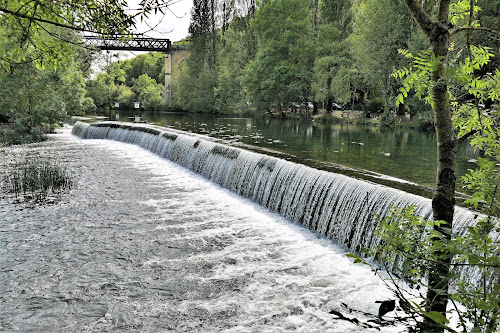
(337,13)
(36,99)
(380,29)
(470,91)
(151,64)
(126,96)
(417,77)
(352,44)
(17,135)
(481,300)
(101,90)
(294,51)
(281,70)
(483,183)
(387,120)
(195,89)
(335,79)
(149,92)
(39,31)
(197,80)
(41,98)
(471,118)
(139,79)
(237,51)
(410,246)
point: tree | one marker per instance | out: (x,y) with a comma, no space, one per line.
(39,30)
(333,68)
(37,100)
(431,75)
(380,28)
(39,35)
(126,96)
(443,203)
(149,92)
(238,49)
(198,77)
(101,90)
(281,71)
(151,64)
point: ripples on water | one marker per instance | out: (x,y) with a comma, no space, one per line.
(140,244)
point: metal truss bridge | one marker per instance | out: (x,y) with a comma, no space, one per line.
(129,44)
(173,54)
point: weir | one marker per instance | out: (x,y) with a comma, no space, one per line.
(338,207)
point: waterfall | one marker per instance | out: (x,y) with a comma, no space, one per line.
(341,208)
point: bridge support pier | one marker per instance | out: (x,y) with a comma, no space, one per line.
(168,78)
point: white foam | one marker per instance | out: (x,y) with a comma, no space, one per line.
(293,278)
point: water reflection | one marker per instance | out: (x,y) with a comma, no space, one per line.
(402,153)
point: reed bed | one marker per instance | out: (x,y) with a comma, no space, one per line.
(35,179)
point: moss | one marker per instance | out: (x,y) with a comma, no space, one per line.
(169,136)
(128,127)
(228,152)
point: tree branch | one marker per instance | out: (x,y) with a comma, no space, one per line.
(489,30)
(444,11)
(29,17)
(423,20)
(467,135)
(58,24)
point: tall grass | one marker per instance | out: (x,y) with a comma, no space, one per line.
(35,179)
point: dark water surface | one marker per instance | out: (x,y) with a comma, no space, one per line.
(401,153)
(141,245)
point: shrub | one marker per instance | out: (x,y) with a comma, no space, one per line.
(16,135)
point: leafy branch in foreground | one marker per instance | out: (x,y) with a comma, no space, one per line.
(410,246)
(36,30)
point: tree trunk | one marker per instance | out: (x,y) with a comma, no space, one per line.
(329,105)
(443,202)
(315,108)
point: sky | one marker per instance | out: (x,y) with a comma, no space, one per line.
(174,25)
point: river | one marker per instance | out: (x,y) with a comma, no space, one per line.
(402,153)
(141,244)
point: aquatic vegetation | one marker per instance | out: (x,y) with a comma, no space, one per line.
(35,179)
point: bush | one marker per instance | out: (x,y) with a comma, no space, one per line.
(374,106)
(387,120)
(16,135)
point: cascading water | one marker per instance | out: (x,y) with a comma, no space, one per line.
(339,207)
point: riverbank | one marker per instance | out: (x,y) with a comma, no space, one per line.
(421,122)
(140,244)
(11,134)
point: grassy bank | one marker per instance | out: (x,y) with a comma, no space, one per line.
(11,134)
